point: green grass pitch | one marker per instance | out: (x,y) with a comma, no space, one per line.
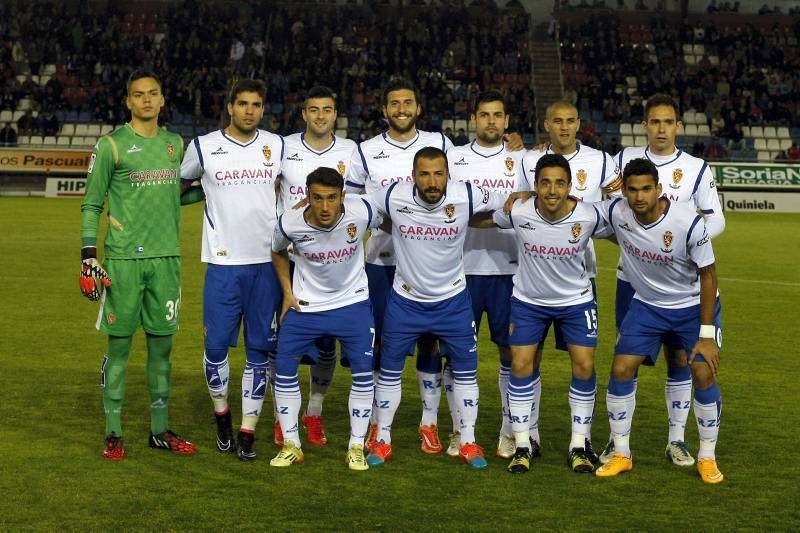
(53,476)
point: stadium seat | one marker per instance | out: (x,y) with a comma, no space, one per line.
(6,115)
(627,141)
(50,140)
(341,132)
(691,130)
(763,156)
(49,69)
(756,132)
(105,129)
(703,130)
(631,81)
(625,129)
(24,104)
(698,49)
(24,139)
(90,141)
(746,131)
(760,144)
(67,129)
(81,130)
(93,130)
(783,133)
(770,132)
(785,143)
(700,118)
(690,60)
(714,60)
(78,141)
(63,141)
(448,123)
(341,123)
(773,144)
(460,123)
(36,139)
(687,49)
(638,129)
(689,117)
(640,140)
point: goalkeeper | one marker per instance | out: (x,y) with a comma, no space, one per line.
(138,167)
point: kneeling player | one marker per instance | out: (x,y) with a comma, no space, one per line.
(329,297)
(552,286)
(668,258)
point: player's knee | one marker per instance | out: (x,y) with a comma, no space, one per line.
(702,377)
(216,355)
(522,366)
(583,368)
(622,369)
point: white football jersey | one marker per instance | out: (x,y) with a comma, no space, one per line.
(552,270)
(328,263)
(488,251)
(299,160)
(239,183)
(683,178)
(592,171)
(662,258)
(379,162)
(429,239)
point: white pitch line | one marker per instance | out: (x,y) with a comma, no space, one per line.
(740,280)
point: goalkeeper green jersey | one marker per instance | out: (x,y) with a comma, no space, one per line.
(141,176)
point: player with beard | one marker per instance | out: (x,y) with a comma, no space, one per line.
(238,167)
(490,255)
(316,147)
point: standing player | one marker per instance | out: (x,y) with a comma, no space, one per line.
(138,167)
(594,174)
(382,160)
(428,295)
(329,297)
(490,255)
(683,178)
(668,259)
(238,166)
(552,285)
(315,148)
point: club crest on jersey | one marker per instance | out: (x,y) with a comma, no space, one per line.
(406,287)
(667,238)
(449,212)
(111,318)
(352,233)
(170,151)
(341,168)
(267,155)
(509,164)
(581,177)
(677,176)
(576,230)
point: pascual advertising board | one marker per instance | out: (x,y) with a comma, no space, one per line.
(21,160)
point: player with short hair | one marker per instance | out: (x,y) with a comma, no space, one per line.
(329,297)
(378,162)
(594,175)
(138,167)
(552,285)
(684,178)
(490,255)
(314,148)
(429,222)
(238,167)
(669,260)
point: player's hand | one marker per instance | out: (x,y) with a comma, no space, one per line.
(301,203)
(709,350)
(513,197)
(289,302)
(92,276)
(513,142)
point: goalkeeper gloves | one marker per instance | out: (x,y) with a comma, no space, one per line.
(92,274)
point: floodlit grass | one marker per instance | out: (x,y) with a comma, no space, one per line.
(53,476)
